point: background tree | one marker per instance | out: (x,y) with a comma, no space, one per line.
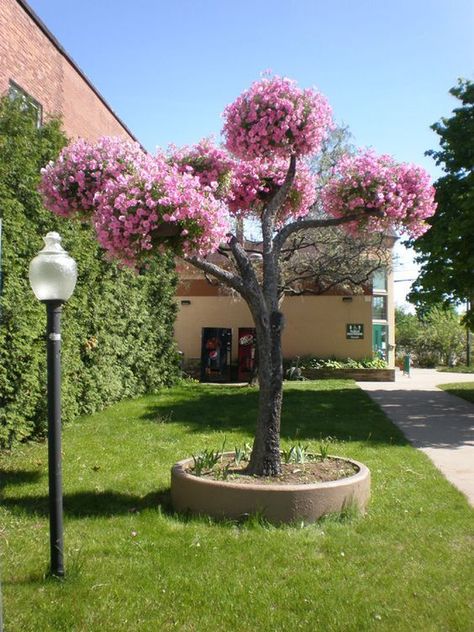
(444,334)
(140,205)
(446,252)
(436,338)
(408,330)
(320,260)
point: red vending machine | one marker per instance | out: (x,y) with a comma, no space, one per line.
(246,353)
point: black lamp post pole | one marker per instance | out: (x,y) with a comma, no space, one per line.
(53,334)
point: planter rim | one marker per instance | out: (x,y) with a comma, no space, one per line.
(179,470)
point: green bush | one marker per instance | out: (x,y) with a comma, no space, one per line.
(313,362)
(118,325)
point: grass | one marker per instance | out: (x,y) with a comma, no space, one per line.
(133,565)
(460,389)
(456,369)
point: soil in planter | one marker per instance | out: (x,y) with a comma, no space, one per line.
(316,470)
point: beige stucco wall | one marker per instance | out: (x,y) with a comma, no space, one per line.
(315,325)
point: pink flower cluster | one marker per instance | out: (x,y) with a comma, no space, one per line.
(135,202)
(276,118)
(245,186)
(254,181)
(400,194)
(157,207)
(210,164)
(68,185)
(182,201)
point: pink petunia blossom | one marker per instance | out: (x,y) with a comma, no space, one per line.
(275,118)
(388,195)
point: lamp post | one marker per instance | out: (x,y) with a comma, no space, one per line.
(53,275)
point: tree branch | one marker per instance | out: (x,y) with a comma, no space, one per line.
(229,279)
(304,224)
(335,260)
(245,267)
(279,196)
(270,258)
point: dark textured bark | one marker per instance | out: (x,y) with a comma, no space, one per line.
(253,381)
(265,459)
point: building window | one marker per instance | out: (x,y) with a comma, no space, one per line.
(16,92)
(379,280)
(380,313)
(379,307)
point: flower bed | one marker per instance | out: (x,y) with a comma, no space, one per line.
(276,502)
(359,375)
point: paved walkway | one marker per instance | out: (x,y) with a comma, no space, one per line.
(439,424)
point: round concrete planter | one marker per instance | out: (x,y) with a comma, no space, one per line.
(276,502)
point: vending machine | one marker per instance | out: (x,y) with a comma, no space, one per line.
(216,349)
(246,353)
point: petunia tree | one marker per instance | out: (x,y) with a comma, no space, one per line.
(193,200)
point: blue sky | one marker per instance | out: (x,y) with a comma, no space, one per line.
(169,68)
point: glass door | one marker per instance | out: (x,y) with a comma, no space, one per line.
(379,341)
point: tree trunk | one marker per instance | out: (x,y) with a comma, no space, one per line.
(265,459)
(253,380)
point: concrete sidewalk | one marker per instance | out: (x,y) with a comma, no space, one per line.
(439,424)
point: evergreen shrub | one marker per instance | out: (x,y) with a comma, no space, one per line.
(118,325)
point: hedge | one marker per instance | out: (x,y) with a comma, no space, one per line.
(117,327)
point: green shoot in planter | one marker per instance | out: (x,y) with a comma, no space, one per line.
(324,447)
(301,453)
(207,459)
(242,454)
(288,455)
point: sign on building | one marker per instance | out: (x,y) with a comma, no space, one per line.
(355,331)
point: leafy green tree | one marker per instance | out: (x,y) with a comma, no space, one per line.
(444,334)
(408,329)
(446,251)
(437,338)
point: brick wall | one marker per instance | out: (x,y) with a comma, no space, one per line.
(30,58)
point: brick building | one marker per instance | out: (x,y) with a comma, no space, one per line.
(33,64)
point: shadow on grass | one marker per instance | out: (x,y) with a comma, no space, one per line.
(346,414)
(89,504)
(18,477)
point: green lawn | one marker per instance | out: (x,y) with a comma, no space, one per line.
(135,566)
(461,389)
(456,369)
